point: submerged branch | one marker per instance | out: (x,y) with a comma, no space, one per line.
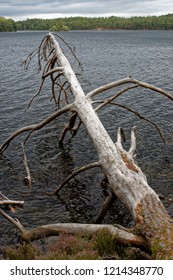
(106,206)
(12,202)
(68,126)
(27,179)
(34,127)
(4,200)
(14,222)
(75,173)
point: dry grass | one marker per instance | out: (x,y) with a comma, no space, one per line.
(72,247)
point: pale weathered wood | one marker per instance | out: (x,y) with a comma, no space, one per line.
(12,202)
(4,200)
(27,179)
(119,233)
(128,81)
(125,178)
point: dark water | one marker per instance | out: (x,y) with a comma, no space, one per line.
(106,56)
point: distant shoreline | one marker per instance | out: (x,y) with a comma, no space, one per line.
(164,22)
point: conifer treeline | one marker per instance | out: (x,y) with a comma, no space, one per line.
(84,23)
(164,22)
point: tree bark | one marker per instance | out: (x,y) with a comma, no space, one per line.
(125,178)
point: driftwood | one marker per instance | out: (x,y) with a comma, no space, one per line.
(121,234)
(125,178)
(27,179)
(8,204)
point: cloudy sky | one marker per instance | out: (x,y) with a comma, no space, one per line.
(22,9)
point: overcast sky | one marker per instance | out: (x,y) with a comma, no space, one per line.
(23,9)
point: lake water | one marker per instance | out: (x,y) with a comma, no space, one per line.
(106,56)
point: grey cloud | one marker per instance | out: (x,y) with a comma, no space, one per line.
(72,7)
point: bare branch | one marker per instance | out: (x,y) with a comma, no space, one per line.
(44,76)
(75,173)
(133,142)
(70,48)
(62,88)
(127,81)
(34,127)
(4,200)
(106,206)
(46,52)
(119,136)
(8,203)
(109,100)
(27,179)
(16,223)
(76,128)
(119,233)
(141,117)
(58,69)
(69,126)
(127,156)
(3,197)
(36,94)
(12,202)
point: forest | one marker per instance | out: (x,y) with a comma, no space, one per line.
(164,22)
(7,25)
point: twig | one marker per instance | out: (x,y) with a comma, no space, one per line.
(71,50)
(36,94)
(107,101)
(141,117)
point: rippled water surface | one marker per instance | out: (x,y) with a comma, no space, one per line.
(106,56)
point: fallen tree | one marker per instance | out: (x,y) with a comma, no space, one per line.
(153,226)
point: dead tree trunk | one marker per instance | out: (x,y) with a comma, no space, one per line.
(125,178)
